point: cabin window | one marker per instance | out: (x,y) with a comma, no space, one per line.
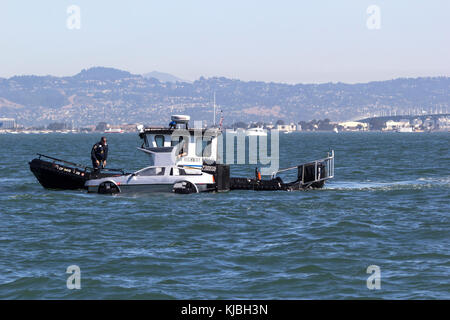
(145,142)
(207,148)
(182,145)
(155,171)
(198,147)
(159,140)
(203,147)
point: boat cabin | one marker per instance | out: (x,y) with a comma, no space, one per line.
(180,145)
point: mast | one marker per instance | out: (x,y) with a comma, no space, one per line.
(214,108)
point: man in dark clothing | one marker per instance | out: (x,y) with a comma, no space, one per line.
(99,154)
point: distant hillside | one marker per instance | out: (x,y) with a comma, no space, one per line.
(116,96)
(163,77)
(102,73)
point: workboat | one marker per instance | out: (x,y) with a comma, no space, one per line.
(181,160)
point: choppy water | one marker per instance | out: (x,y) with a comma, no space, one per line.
(388,206)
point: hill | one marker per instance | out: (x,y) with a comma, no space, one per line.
(163,77)
(102,73)
(116,96)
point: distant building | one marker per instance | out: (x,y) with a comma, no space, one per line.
(89,128)
(428,123)
(287,127)
(129,127)
(392,125)
(7,123)
(102,126)
(416,123)
(443,123)
(354,126)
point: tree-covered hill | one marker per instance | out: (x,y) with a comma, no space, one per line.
(116,96)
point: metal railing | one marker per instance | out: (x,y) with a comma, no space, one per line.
(328,162)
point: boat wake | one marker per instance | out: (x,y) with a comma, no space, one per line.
(420,183)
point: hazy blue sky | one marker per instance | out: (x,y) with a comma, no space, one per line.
(283,41)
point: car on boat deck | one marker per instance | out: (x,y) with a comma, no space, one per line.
(155,179)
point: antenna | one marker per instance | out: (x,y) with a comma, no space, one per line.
(214,108)
(221,119)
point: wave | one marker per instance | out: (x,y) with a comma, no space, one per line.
(420,183)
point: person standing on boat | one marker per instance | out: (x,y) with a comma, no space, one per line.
(257,174)
(172,125)
(99,154)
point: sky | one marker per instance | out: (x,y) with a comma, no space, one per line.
(280,41)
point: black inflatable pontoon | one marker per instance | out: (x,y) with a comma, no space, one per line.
(54,173)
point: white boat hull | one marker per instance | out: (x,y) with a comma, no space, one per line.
(256,132)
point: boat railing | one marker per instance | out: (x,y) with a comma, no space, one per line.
(327,162)
(85,168)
